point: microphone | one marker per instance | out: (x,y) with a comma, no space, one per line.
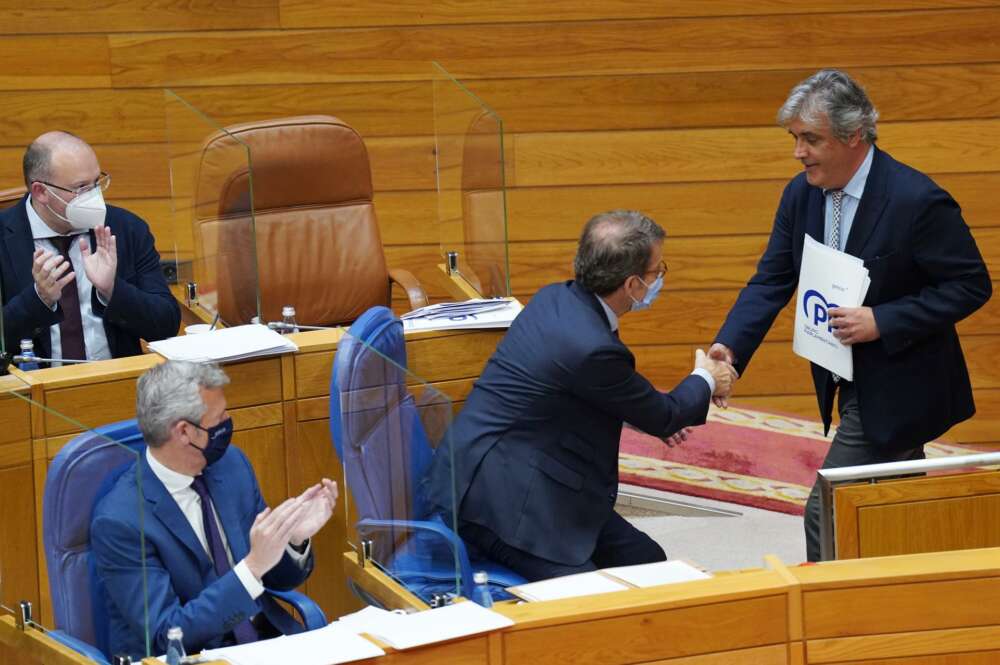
(21,359)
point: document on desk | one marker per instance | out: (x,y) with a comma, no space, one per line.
(654,574)
(470,314)
(568,586)
(325,646)
(828,278)
(236,343)
(405,631)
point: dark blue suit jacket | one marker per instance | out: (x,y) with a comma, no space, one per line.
(927,274)
(141,305)
(182,585)
(536,445)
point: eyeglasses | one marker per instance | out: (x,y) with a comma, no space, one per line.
(103,181)
(660,271)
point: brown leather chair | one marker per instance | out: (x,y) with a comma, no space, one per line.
(9,197)
(315,243)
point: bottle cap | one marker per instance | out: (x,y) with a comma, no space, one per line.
(27,344)
(288,310)
(480,577)
(175,633)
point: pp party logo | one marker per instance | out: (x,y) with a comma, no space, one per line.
(820,312)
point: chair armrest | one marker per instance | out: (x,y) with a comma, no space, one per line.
(437,528)
(312,615)
(415,292)
(79,646)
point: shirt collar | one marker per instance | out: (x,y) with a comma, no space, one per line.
(39,229)
(172,480)
(612,317)
(855,187)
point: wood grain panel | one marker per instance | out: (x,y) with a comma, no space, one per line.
(976,658)
(931,526)
(264,446)
(253,382)
(654,635)
(137,170)
(15,413)
(54,61)
(18,554)
(577,158)
(889,608)
(88,405)
(901,645)
(143,15)
(715,44)
(353,13)
(99,116)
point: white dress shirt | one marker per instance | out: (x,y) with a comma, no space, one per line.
(94,337)
(179,487)
(853,190)
(613,321)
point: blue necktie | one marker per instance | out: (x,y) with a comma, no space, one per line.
(244,631)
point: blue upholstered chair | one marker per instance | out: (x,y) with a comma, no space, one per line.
(81,473)
(378,432)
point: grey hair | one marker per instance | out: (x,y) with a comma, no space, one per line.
(834,94)
(615,245)
(169,393)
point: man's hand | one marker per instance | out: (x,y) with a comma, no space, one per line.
(318,509)
(102,264)
(854,325)
(678,437)
(50,274)
(722,353)
(270,534)
(721,371)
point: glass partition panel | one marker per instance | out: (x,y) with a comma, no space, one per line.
(471,196)
(393,443)
(93,521)
(212,199)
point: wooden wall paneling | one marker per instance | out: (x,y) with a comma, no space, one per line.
(264,446)
(706,44)
(143,15)
(976,658)
(353,13)
(911,645)
(18,553)
(934,526)
(54,61)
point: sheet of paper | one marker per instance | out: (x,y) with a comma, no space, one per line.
(325,646)
(430,626)
(570,586)
(827,278)
(488,314)
(655,574)
(226,344)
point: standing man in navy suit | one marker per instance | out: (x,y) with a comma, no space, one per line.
(536,446)
(80,278)
(910,379)
(211,544)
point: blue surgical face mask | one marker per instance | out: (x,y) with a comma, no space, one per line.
(652,291)
(219,437)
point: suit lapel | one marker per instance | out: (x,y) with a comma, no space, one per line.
(169,513)
(228,514)
(873,203)
(19,245)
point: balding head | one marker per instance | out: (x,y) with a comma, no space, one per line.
(48,149)
(614,246)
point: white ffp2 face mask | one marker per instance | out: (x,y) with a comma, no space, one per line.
(85,212)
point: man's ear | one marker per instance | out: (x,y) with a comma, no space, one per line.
(855,138)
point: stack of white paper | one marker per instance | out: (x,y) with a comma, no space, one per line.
(828,278)
(325,646)
(249,341)
(478,313)
(568,586)
(655,574)
(404,631)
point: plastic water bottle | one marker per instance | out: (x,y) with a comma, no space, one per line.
(481,590)
(288,318)
(175,646)
(28,351)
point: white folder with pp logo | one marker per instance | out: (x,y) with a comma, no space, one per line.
(828,278)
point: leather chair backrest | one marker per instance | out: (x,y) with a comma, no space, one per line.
(79,475)
(316,243)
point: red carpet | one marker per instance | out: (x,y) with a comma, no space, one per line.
(754,458)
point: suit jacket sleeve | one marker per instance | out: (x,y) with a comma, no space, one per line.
(215,611)
(25,313)
(608,380)
(141,302)
(767,292)
(957,282)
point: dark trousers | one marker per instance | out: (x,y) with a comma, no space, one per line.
(619,544)
(849,448)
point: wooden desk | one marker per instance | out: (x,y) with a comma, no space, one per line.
(279,407)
